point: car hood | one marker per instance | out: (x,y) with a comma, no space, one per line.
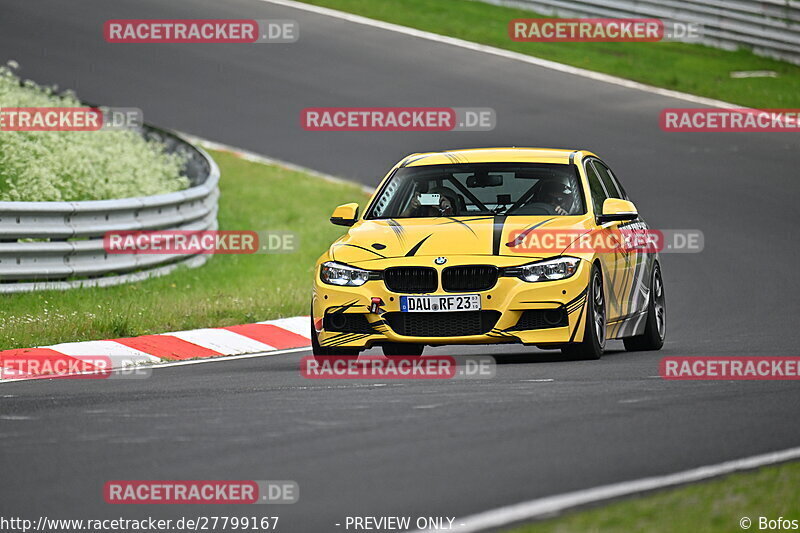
(370,240)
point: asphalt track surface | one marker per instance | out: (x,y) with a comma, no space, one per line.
(414,448)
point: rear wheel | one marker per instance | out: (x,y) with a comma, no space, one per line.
(594,335)
(655,329)
(325,351)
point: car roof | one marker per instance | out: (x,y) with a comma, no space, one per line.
(493,155)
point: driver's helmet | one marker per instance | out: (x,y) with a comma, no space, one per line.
(452,199)
(557,193)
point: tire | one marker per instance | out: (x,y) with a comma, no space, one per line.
(594,335)
(655,329)
(394,349)
(324,351)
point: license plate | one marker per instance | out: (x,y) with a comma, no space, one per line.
(435,304)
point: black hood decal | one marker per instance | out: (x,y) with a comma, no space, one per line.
(417,246)
(521,236)
(497,233)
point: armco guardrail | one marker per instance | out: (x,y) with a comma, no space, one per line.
(768,27)
(59,245)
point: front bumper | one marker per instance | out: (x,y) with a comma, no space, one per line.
(510,297)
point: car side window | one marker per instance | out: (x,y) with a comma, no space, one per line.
(611,184)
(596,187)
(618,184)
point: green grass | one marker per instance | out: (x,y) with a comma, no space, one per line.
(710,507)
(229,289)
(690,68)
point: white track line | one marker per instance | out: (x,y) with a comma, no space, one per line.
(543,507)
(539,62)
(159,365)
(229,358)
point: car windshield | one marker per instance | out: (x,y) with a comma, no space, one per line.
(480,189)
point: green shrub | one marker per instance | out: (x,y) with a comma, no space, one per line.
(76,165)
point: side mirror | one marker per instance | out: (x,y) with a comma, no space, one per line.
(616,210)
(345,215)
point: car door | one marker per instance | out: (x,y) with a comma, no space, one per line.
(614,262)
(632,266)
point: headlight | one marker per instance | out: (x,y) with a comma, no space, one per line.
(339,274)
(549,269)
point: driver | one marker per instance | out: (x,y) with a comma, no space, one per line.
(448,205)
(558,195)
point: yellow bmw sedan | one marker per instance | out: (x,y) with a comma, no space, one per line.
(488,246)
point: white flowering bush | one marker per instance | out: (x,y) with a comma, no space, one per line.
(76,165)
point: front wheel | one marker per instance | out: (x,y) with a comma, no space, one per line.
(655,329)
(594,334)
